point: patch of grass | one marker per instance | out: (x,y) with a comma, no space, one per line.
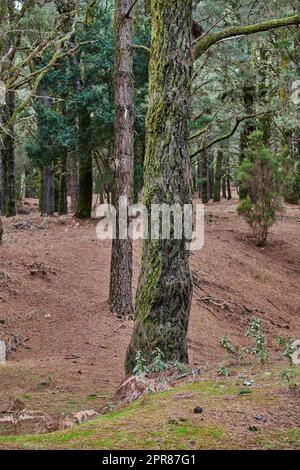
(166,421)
(283,440)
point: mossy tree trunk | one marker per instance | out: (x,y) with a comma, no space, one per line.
(218,176)
(120,295)
(165,286)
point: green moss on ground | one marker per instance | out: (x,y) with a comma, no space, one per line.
(167,421)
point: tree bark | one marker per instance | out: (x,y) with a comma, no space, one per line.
(120,295)
(224,194)
(229,195)
(249,103)
(2,187)
(8,158)
(74,189)
(63,189)
(48,190)
(165,286)
(218,176)
(204,172)
(1,230)
(85,193)
(211,178)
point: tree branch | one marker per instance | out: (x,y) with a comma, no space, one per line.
(206,42)
(231,133)
(140,46)
(127,14)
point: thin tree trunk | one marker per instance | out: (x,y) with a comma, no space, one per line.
(1,230)
(199,186)
(48,190)
(165,286)
(8,159)
(211,178)
(224,195)
(218,176)
(249,101)
(204,170)
(63,200)
(120,295)
(229,196)
(74,189)
(85,194)
(2,187)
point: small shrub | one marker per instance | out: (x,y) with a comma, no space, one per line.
(255,331)
(287,375)
(158,364)
(228,345)
(140,368)
(261,174)
(223,371)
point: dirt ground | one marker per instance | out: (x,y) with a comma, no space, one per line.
(70,349)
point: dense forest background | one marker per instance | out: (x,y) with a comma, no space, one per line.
(162,102)
(58,70)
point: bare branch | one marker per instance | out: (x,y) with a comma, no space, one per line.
(231,133)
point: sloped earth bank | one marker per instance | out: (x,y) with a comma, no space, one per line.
(67,350)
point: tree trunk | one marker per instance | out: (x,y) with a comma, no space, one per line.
(229,196)
(48,190)
(63,200)
(218,176)
(2,187)
(165,286)
(199,183)
(204,171)
(74,189)
(224,195)
(120,295)
(8,159)
(249,101)
(85,195)
(211,179)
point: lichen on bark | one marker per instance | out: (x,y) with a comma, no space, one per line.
(165,286)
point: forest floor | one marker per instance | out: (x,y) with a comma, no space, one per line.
(67,349)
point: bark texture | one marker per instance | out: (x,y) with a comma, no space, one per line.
(204,170)
(8,159)
(120,296)
(73,184)
(48,188)
(85,193)
(218,177)
(63,187)
(165,285)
